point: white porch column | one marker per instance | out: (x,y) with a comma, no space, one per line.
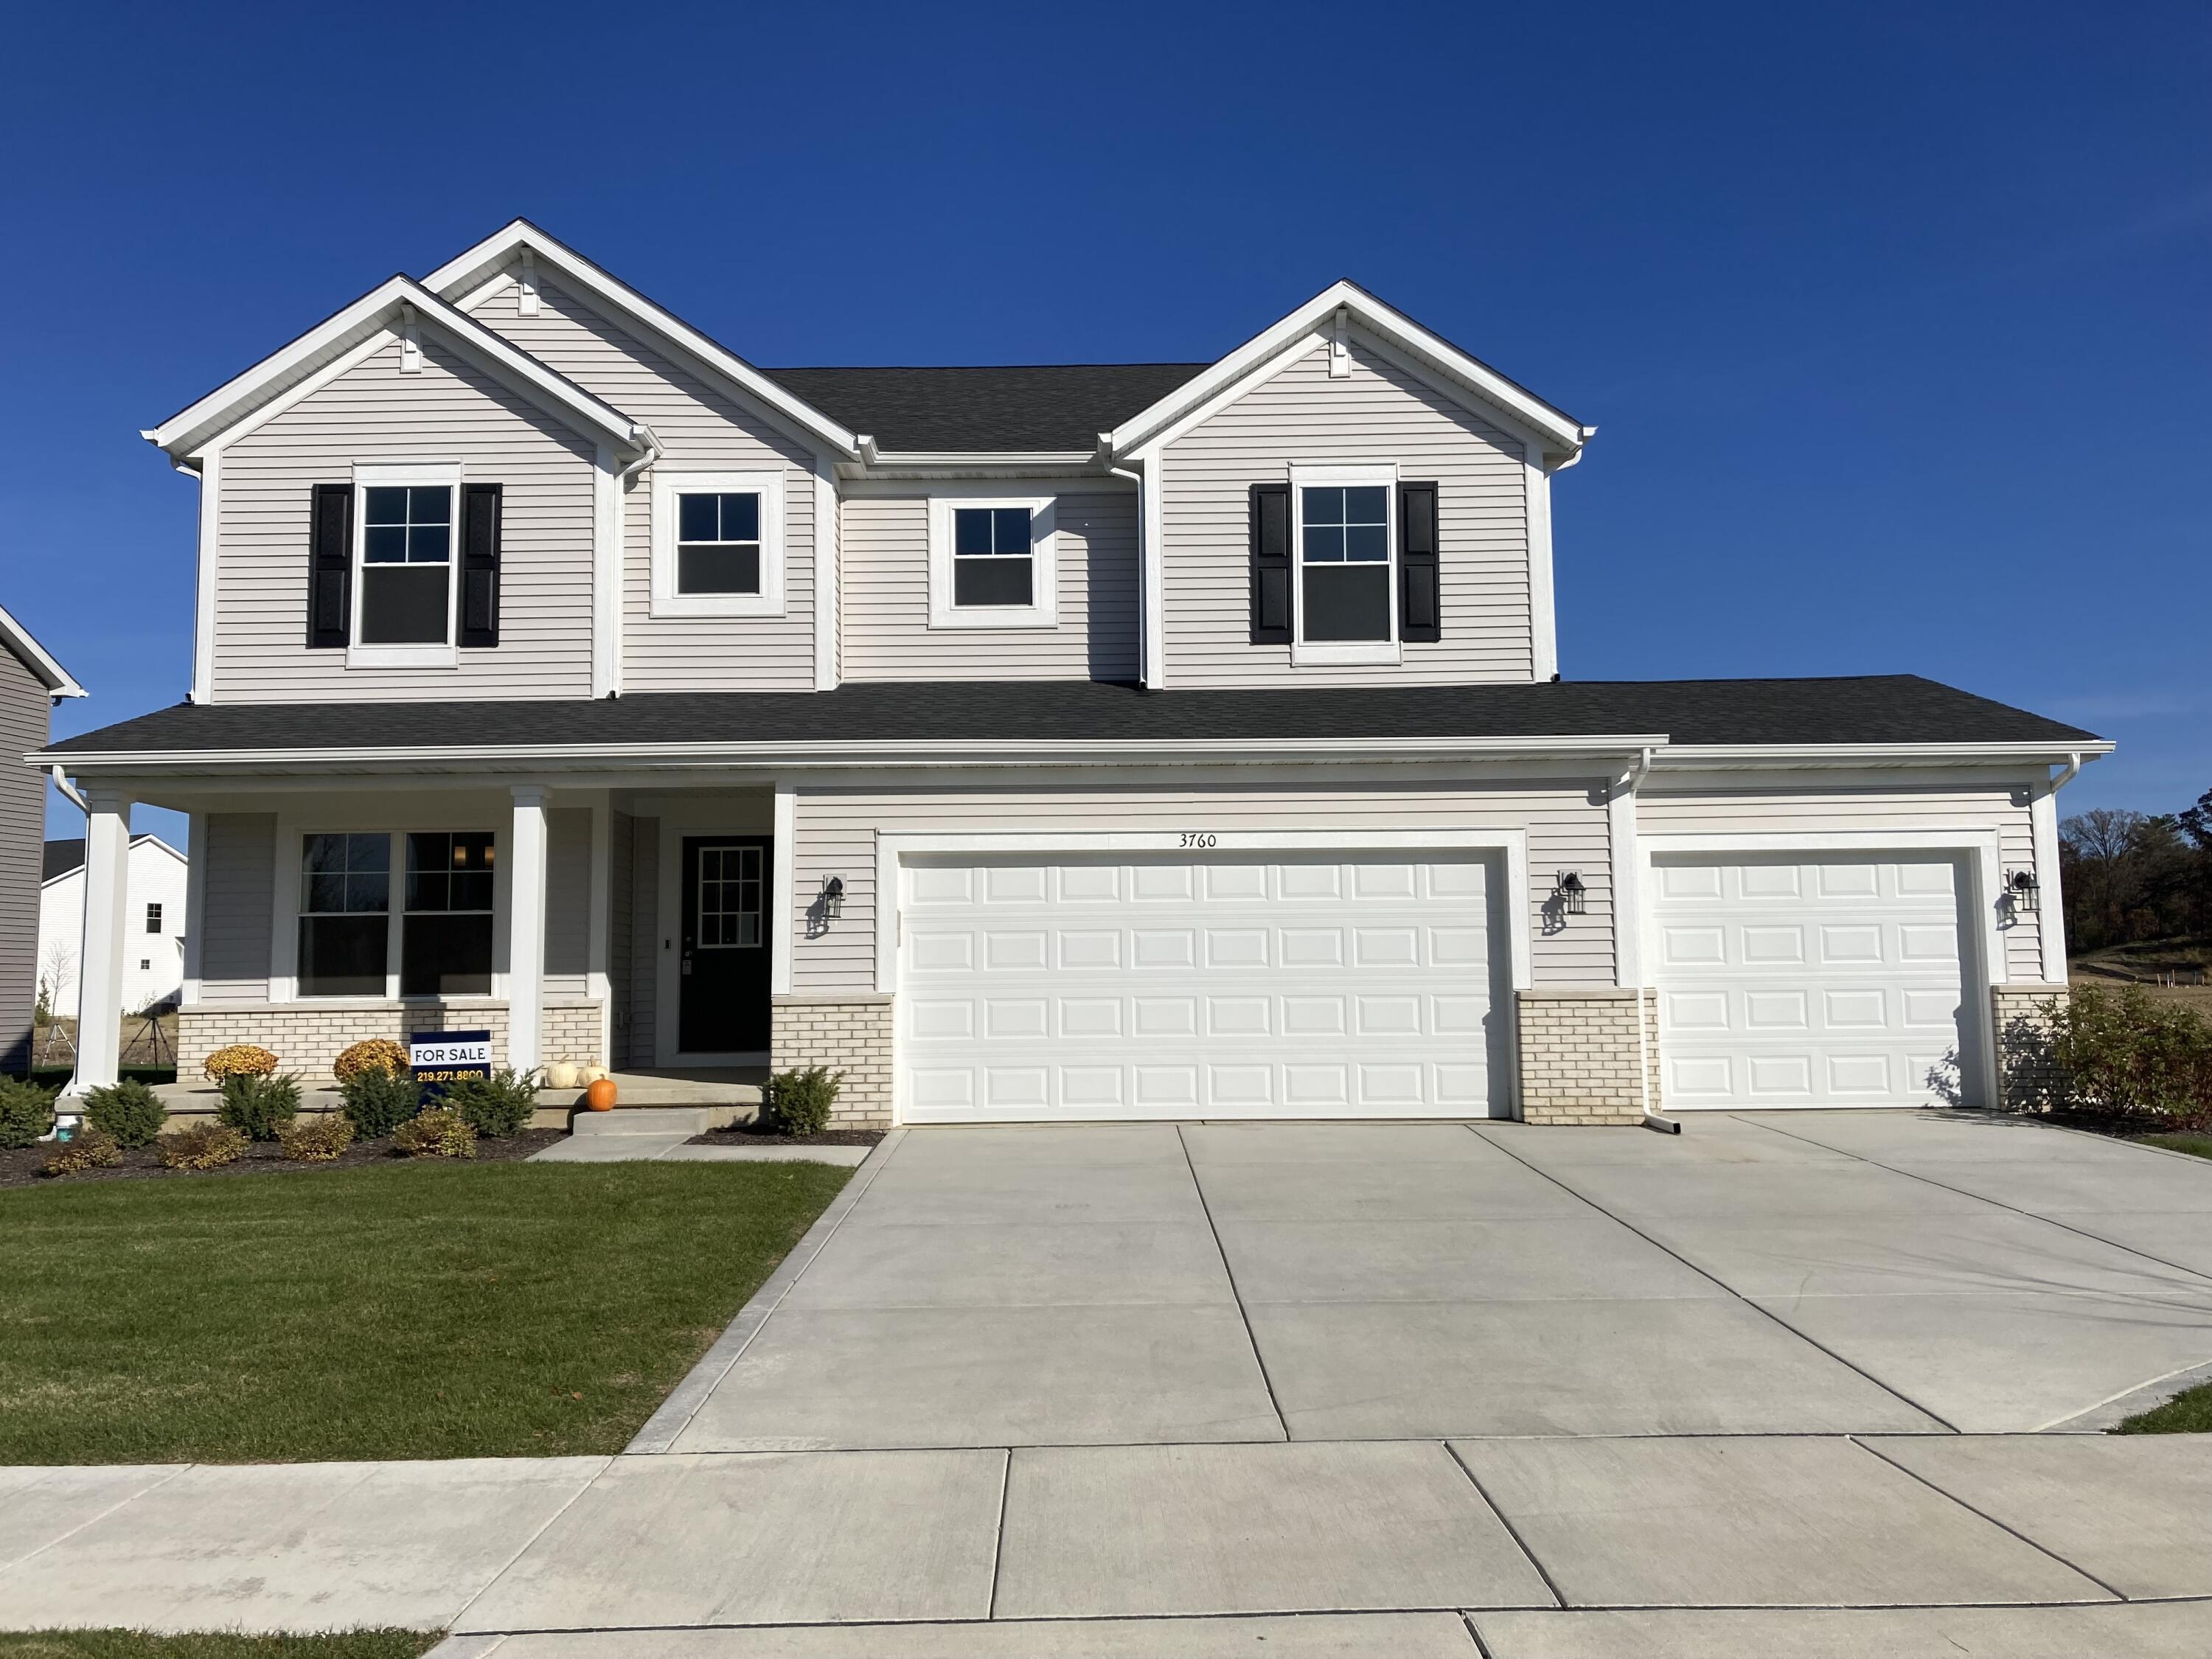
(100,969)
(526,928)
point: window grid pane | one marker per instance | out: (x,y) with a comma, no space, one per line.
(992,549)
(1347,525)
(345,874)
(729,897)
(718,543)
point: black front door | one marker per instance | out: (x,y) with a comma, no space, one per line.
(724,970)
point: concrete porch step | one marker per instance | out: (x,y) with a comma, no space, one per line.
(657,1120)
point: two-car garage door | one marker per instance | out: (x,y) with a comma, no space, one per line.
(1272,985)
(1811,980)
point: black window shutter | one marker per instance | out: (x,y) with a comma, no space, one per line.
(330,566)
(480,504)
(1421,619)
(1270,564)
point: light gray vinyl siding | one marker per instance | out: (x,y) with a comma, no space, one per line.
(24,707)
(448,411)
(836,830)
(568,900)
(1874,810)
(884,561)
(701,428)
(645,939)
(237,857)
(1380,414)
(621,908)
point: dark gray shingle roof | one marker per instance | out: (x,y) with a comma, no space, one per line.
(62,857)
(1884,708)
(1052,406)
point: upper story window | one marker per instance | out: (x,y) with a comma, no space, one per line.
(718,543)
(406,565)
(992,563)
(1344,565)
(153,918)
(403,566)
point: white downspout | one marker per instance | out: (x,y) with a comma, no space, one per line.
(1143,606)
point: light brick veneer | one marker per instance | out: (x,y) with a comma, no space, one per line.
(307,1037)
(2027,1080)
(852,1034)
(1580,1054)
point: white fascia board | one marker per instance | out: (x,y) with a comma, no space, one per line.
(955,463)
(1759,756)
(1431,352)
(294,368)
(466,273)
(57,680)
(681,756)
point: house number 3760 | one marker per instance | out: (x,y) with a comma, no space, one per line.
(1198,838)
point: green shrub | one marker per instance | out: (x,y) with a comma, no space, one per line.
(2127,1052)
(202,1146)
(87,1149)
(799,1102)
(438,1133)
(26,1112)
(316,1139)
(379,1101)
(129,1110)
(258,1106)
(495,1106)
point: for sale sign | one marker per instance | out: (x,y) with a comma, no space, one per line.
(436,1058)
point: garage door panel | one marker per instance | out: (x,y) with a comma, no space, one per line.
(1807,981)
(1326,988)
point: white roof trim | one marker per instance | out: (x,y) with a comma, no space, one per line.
(1435,355)
(468,272)
(212,418)
(57,680)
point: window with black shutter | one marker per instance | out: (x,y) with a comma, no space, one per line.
(330,566)
(1420,615)
(480,524)
(1270,564)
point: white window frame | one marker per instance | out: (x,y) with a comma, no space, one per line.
(666,487)
(1337,653)
(1043,609)
(285,931)
(416,475)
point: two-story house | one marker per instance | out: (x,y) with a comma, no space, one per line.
(1148,740)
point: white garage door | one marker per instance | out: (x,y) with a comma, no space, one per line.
(1803,982)
(1259,985)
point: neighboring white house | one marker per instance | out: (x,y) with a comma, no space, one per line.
(1035,742)
(154,925)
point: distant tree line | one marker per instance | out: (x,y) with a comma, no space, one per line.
(2129,877)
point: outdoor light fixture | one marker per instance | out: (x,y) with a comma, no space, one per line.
(2024,892)
(1569,891)
(833,896)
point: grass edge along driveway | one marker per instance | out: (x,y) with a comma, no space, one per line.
(136,1644)
(422,1310)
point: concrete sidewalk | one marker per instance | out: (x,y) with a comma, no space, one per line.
(1085,1548)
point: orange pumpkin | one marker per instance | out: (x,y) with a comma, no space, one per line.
(600,1096)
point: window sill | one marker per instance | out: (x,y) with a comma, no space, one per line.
(1381,653)
(718,604)
(403,656)
(1011,616)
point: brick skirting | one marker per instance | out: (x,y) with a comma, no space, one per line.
(2028,1079)
(848,1035)
(307,1037)
(1589,1056)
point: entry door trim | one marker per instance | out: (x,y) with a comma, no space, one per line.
(1978,846)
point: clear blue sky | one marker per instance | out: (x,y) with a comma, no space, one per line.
(1892,318)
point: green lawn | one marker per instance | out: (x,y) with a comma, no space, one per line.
(2197,1145)
(134,1644)
(2188,1413)
(445,1311)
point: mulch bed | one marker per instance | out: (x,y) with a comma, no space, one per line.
(26,1166)
(744,1134)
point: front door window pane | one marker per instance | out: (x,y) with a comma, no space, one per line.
(730,897)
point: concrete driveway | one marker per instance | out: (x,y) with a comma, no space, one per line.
(1777,1274)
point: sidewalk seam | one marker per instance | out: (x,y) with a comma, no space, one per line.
(685,1400)
(176,1472)
(1504,1521)
(523,1549)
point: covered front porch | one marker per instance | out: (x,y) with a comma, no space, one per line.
(642,930)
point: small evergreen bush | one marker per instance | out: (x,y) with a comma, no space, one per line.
(438,1133)
(495,1106)
(239,1060)
(258,1106)
(375,1054)
(379,1101)
(130,1111)
(317,1138)
(87,1149)
(799,1102)
(202,1146)
(26,1112)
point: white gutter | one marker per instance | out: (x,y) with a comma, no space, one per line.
(1680,756)
(652,452)
(69,793)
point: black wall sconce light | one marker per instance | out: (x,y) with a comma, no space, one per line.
(1568,889)
(832,897)
(2024,892)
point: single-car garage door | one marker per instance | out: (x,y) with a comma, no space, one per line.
(1803,981)
(1236,985)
